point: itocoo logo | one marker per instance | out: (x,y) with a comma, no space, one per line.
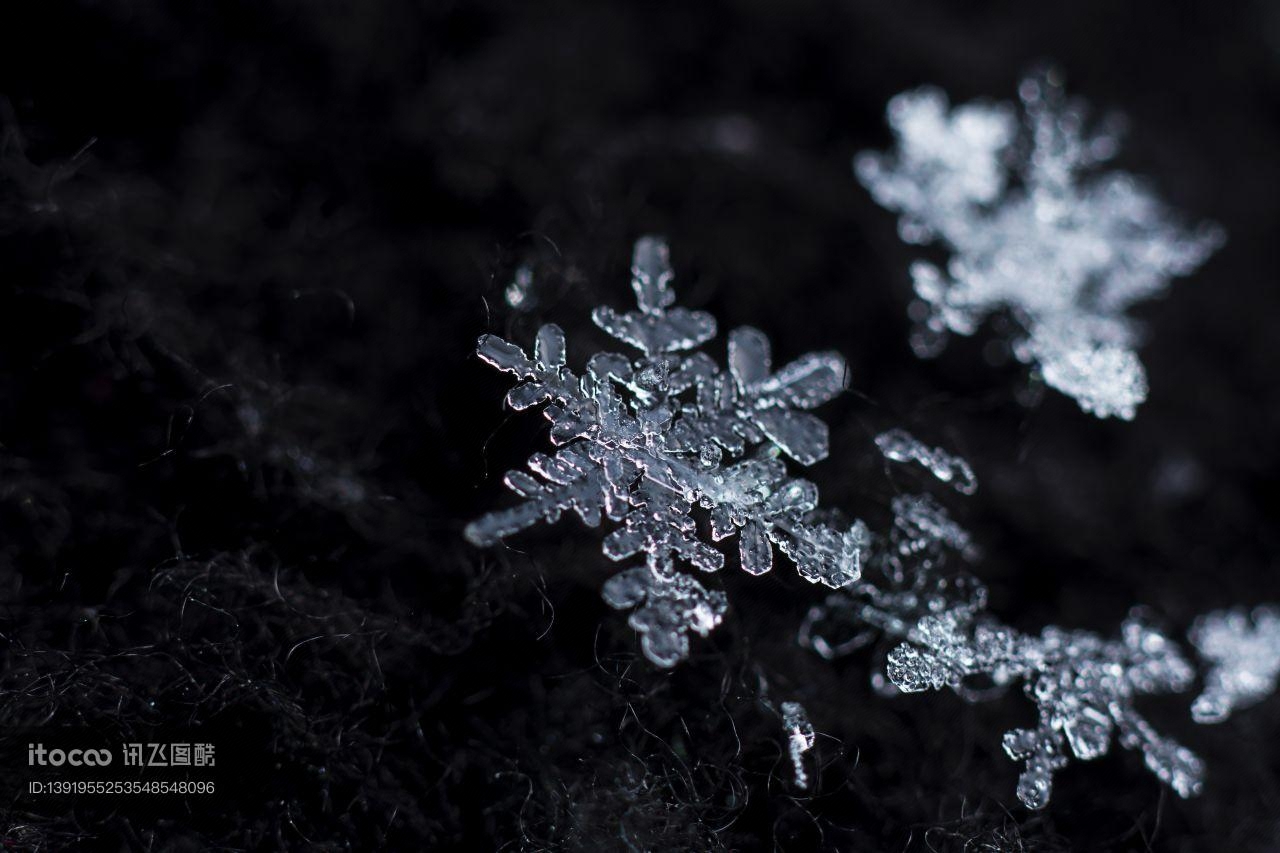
(38,755)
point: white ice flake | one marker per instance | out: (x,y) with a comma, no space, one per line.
(667,610)
(1034,229)
(1083,685)
(642,441)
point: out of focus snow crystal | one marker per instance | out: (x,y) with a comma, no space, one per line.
(1035,230)
(641,440)
(519,293)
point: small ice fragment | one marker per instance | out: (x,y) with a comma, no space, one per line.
(800,738)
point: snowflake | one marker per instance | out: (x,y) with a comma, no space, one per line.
(1065,250)
(1082,685)
(643,441)
(1244,657)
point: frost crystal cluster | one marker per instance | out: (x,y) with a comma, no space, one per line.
(643,440)
(1034,230)
(1244,658)
(664,443)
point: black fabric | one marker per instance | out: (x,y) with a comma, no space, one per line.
(245,252)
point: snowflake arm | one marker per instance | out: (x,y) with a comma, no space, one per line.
(666,610)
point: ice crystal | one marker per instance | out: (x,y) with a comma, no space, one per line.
(898,445)
(800,738)
(1083,687)
(643,441)
(1035,230)
(1243,651)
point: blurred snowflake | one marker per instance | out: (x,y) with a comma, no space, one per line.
(1243,652)
(643,441)
(1033,231)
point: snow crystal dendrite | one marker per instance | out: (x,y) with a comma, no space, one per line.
(666,610)
(1033,230)
(644,440)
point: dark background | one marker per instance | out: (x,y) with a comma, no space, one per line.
(245,251)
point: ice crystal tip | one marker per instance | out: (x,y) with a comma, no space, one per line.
(651,274)
(640,441)
(1064,248)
